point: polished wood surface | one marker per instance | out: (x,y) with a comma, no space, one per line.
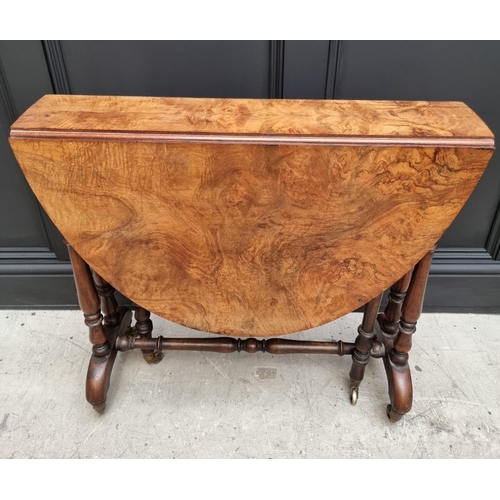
(226,345)
(364,344)
(252,120)
(251,239)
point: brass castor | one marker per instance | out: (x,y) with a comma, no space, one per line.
(153,358)
(354,395)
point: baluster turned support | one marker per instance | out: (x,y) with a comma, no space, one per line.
(143,329)
(103,353)
(89,304)
(364,345)
(389,320)
(396,363)
(109,306)
(94,292)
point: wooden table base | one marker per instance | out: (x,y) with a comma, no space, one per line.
(384,335)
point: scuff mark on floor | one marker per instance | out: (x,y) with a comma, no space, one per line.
(3,423)
(263,373)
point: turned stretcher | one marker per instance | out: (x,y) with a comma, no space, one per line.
(251,218)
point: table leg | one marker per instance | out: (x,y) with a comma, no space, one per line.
(102,337)
(389,319)
(396,362)
(364,344)
(109,306)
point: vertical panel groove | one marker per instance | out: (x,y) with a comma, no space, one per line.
(332,69)
(48,230)
(10,104)
(57,68)
(276,68)
(7,95)
(493,242)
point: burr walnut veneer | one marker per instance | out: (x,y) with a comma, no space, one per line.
(251,218)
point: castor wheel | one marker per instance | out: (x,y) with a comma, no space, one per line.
(153,358)
(354,395)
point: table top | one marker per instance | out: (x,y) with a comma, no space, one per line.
(276,121)
(250,217)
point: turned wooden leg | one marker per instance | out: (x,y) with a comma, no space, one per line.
(102,339)
(396,363)
(144,328)
(363,346)
(389,319)
(109,306)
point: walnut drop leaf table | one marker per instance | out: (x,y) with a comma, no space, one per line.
(251,218)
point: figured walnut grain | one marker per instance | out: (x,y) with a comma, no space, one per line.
(252,120)
(250,239)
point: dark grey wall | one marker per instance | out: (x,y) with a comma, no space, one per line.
(34,269)
(184,69)
(446,71)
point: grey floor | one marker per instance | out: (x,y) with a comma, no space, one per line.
(208,405)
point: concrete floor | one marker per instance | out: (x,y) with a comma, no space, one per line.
(208,405)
